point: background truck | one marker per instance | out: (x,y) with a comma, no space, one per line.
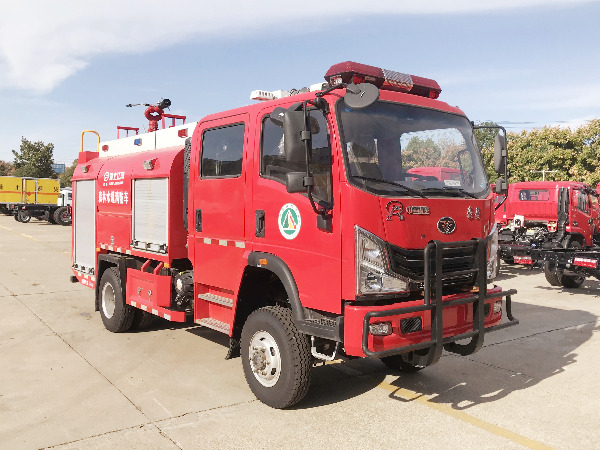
(540,214)
(296,227)
(26,197)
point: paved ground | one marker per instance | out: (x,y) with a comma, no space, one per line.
(66,382)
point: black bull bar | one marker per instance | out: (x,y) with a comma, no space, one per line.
(433,284)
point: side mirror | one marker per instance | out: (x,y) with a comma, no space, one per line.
(359,96)
(293,145)
(500,154)
(277,116)
(295,182)
(501,186)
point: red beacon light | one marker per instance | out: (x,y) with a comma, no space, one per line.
(352,72)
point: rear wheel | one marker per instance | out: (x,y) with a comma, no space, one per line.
(275,357)
(551,274)
(556,277)
(117,316)
(572,281)
(62,216)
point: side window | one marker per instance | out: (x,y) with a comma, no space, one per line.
(583,202)
(274,166)
(222,150)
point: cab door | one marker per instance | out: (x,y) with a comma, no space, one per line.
(288,225)
(217,184)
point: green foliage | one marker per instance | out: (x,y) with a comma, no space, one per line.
(421,153)
(6,168)
(485,136)
(574,155)
(34,159)
(65,178)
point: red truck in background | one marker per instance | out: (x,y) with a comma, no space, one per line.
(300,227)
(538,214)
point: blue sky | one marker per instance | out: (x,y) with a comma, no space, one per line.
(63,69)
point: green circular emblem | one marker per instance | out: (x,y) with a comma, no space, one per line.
(289,221)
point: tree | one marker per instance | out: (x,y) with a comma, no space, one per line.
(65,178)
(34,159)
(6,168)
(573,155)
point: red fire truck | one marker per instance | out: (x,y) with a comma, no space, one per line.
(296,227)
(546,213)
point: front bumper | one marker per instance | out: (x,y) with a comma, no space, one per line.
(445,319)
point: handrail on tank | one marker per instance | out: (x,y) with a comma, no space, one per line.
(90,131)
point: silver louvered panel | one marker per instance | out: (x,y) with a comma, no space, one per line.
(151,214)
(85,226)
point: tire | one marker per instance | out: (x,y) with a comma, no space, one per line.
(552,276)
(557,278)
(276,357)
(142,320)
(400,364)
(23,216)
(572,281)
(117,316)
(62,216)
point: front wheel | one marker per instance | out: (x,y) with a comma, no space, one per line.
(275,357)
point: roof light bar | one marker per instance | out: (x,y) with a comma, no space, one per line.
(352,72)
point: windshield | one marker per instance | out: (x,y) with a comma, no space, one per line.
(395,149)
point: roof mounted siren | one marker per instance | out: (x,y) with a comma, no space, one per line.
(356,73)
(154,113)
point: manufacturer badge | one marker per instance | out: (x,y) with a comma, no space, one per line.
(446,225)
(394,208)
(289,221)
(418,210)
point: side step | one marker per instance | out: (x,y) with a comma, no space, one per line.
(214,324)
(218,299)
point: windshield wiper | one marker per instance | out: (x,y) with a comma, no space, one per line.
(446,189)
(407,189)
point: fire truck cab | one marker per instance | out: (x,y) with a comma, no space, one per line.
(301,227)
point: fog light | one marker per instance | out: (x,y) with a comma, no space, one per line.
(498,307)
(380,329)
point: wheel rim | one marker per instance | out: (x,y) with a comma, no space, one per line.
(64,216)
(108,300)
(265,358)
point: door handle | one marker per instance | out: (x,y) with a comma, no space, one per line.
(260,223)
(198,220)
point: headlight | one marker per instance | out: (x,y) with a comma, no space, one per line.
(492,254)
(372,273)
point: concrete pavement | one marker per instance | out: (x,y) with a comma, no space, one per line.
(66,382)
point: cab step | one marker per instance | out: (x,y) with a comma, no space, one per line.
(214,324)
(218,299)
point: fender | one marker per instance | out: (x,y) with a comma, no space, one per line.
(302,316)
(283,272)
